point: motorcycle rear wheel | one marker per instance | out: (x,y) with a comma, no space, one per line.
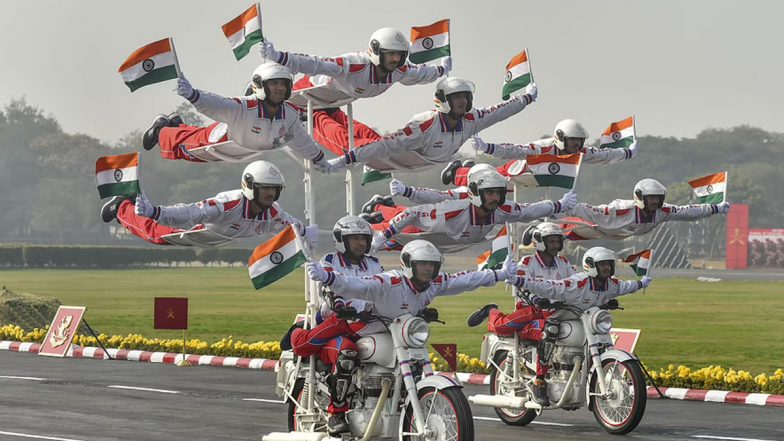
(291,413)
(512,417)
(450,417)
(622,413)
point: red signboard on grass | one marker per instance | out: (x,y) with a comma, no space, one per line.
(171,313)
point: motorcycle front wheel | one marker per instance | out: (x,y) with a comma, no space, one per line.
(448,415)
(293,411)
(623,410)
(512,417)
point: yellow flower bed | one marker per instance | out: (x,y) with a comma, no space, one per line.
(711,377)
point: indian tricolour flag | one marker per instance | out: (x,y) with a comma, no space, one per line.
(150,64)
(275,258)
(430,42)
(495,256)
(244,31)
(117,175)
(619,134)
(518,74)
(555,171)
(372,175)
(640,262)
(710,189)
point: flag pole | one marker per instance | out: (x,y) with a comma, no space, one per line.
(258,15)
(530,69)
(184,361)
(650,269)
(176,60)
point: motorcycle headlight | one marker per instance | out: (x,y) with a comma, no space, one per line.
(416,332)
(601,322)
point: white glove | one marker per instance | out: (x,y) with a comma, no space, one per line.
(378,241)
(532,90)
(316,272)
(646,281)
(480,145)
(322,165)
(446,63)
(633,149)
(568,200)
(396,187)
(336,164)
(268,52)
(508,270)
(143,206)
(723,207)
(312,235)
(184,88)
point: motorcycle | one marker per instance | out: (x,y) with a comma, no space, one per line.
(395,391)
(585,369)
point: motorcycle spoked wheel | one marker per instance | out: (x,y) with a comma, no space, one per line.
(622,413)
(450,417)
(321,401)
(512,417)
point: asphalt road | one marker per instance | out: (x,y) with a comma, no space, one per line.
(90,400)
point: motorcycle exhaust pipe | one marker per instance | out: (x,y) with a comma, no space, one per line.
(295,436)
(498,401)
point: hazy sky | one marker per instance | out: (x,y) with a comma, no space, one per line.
(679,66)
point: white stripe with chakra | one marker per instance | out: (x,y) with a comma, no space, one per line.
(519,70)
(435,41)
(613,137)
(710,189)
(547,168)
(267,263)
(643,263)
(500,243)
(238,38)
(111,176)
(159,61)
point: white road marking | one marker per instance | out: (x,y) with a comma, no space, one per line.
(27,435)
(145,389)
(728,438)
(264,400)
(13,377)
(543,423)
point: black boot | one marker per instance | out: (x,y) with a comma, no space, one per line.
(150,138)
(370,206)
(337,424)
(477,317)
(540,392)
(372,218)
(175,120)
(448,173)
(285,342)
(109,209)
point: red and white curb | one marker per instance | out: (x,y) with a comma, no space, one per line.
(715,396)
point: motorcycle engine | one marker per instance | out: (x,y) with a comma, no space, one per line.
(371,379)
(563,358)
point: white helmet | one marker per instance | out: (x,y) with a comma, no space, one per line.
(270,71)
(349,226)
(419,251)
(388,39)
(568,128)
(477,168)
(484,179)
(544,230)
(596,255)
(448,86)
(259,173)
(648,187)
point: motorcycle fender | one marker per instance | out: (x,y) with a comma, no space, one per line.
(493,343)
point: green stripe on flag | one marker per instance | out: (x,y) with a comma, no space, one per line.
(119,189)
(154,76)
(715,198)
(621,143)
(515,85)
(434,54)
(554,181)
(497,259)
(250,39)
(279,271)
(372,175)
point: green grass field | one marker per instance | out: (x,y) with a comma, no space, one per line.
(734,324)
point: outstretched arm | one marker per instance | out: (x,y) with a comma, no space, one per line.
(305,64)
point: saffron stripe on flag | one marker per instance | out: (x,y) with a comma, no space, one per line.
(116,161)
(273,244)
(439,27)
(620,125)
(573,159)
(710,179)
(148,51)
(238,23)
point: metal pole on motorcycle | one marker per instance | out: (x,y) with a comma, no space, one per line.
(311,297)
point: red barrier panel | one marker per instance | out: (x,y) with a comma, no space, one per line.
(737,237)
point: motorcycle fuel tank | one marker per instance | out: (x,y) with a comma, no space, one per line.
(377,348)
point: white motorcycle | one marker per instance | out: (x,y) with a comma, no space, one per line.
(394,368)
(585,369)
